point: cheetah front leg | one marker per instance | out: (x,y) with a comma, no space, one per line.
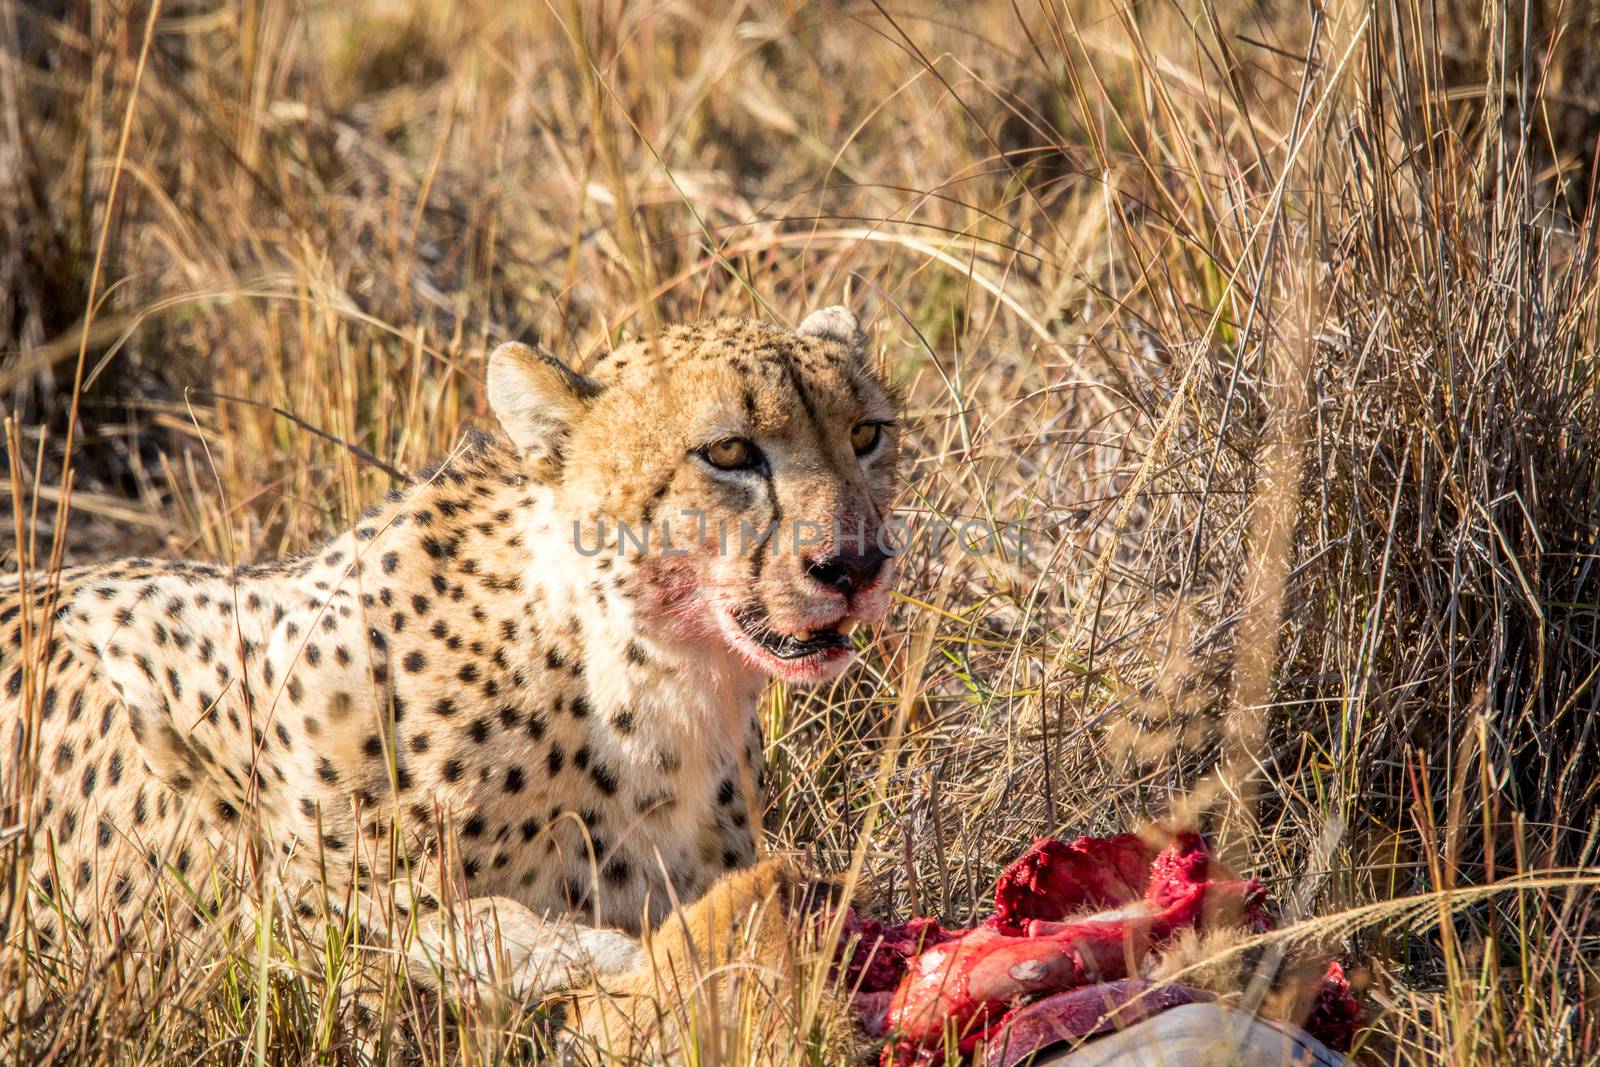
(496,947)
(728,975)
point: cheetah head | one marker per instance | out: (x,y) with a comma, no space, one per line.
(730,480)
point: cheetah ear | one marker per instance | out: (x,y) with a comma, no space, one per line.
(537,398)
(836,323)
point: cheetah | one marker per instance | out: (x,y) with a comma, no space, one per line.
(527,682)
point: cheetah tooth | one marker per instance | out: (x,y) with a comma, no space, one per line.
(847,625)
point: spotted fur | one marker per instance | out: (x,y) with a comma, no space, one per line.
(458,691)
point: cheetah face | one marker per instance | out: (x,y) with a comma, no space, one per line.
(733,478)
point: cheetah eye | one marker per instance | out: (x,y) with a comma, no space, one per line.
(733,454)
(865,437)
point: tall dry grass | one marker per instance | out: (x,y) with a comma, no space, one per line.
(1273,324)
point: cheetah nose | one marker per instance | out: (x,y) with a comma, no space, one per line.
(848,572)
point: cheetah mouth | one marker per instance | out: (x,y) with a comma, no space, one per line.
(796,646)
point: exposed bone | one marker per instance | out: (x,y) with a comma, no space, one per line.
(1200,1035)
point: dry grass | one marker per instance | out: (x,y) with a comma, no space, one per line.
(1274,325)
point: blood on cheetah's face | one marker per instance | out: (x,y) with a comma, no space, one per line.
(734,477)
